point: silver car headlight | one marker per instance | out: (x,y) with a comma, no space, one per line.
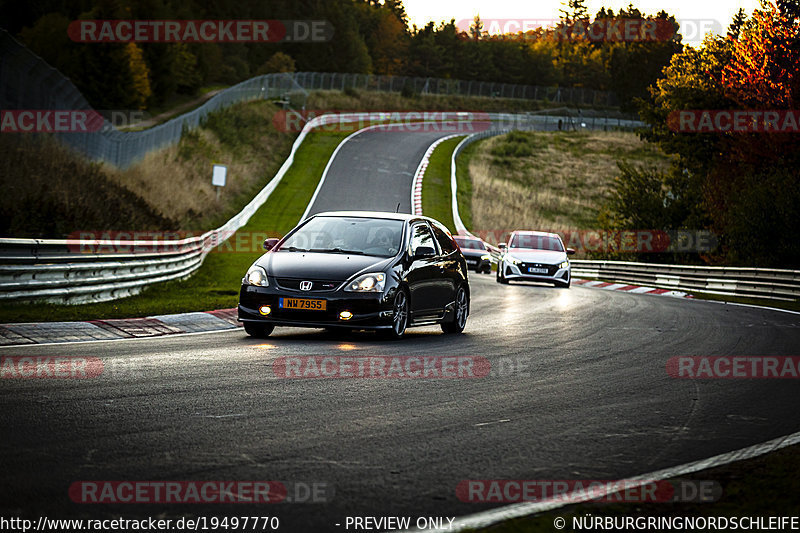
(373,282)
(563,264)
(256,276)
(513,260)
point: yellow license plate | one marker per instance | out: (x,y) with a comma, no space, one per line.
(302,303)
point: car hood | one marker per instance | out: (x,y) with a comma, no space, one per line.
(473,253)
(547,257)
(313,265)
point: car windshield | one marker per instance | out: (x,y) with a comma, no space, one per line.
(470,244)
(347,235)
(536,242)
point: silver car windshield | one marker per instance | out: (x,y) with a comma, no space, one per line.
(537,242)
(347,235)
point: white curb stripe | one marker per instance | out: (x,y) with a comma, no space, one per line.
(416,186)
(615,286)
(640,290)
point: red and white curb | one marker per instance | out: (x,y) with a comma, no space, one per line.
(416,186)
(638,289)
(116,329)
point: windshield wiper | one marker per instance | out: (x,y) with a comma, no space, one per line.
(295,249)
(337,251)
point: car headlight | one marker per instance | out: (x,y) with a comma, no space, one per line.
(256,276)
(374,282)
(513,260)
(563,264)
(486,257)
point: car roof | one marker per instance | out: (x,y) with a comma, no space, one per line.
(537,233)
(373,214)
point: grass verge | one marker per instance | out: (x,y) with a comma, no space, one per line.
(436,194)
(464,183)
(216,284)
(550,180)
(757,487)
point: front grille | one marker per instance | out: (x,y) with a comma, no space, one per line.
(551,269)
(317,285)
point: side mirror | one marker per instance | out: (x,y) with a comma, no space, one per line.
(503,246)
(570,251)
(424,251)
(269,244)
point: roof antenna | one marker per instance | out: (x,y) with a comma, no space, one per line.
(398,208)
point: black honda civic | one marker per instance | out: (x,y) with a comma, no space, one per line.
(358,270)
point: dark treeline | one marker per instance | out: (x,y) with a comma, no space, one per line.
(370,37)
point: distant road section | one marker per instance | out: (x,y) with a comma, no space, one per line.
(373,170)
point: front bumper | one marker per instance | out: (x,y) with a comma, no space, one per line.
(520,272)
(370,310)
(477,264)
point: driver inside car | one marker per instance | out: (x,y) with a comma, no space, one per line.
(384,238)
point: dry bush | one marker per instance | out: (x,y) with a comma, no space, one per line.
(176,181)
(50,191)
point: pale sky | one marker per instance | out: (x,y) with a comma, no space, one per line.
(710,14)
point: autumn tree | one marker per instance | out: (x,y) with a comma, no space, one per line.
(746,185)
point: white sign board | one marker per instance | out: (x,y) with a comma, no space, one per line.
(220,173)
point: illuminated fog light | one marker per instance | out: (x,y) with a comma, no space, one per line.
(264,310)
(345,315)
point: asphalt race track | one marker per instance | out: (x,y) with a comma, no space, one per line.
(374,170)
(578,390)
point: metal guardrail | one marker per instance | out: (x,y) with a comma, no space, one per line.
(735,281)
(34,269)
(55,270)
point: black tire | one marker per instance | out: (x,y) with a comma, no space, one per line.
(400,312)
(259,331)
(461,313)
(500,277)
